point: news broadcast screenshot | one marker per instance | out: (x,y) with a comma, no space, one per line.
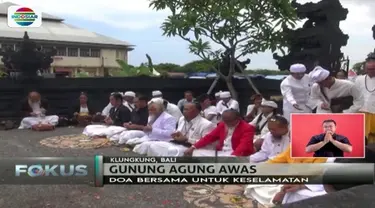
(187,103)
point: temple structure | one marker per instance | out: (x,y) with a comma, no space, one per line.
(28,59)
(320,39)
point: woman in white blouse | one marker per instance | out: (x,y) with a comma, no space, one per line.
(82,113)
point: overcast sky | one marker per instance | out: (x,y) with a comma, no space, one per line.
(135,22)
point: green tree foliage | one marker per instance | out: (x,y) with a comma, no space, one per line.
(199,66)
(131,71)
(241,27)
(167,67)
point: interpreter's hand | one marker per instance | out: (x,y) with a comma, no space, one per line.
(189,152)
(292,187)
(147,128)
(327,137)
(325,106)
(98,113)
(297,107)
(75,114)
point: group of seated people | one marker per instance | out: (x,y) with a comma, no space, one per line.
(156,127)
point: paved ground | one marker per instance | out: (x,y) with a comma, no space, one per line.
(20,143)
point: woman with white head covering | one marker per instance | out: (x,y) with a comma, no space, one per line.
(334,95)
(296,89)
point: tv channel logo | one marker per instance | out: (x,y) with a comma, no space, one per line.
(51,170)
(19,16)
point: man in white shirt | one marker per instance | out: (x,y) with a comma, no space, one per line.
(268,109)
(188,98)
(209,111)
(275,142)
(296,89)
(327,88)
(366,84)
(172,110)
(191,127)
(129,100)
(227,102)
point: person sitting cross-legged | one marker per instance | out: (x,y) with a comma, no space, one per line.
(35,109)
(275,141)
(118,115)
(270,195)
(138,121)
(234,137)
(159,128)
(191,127)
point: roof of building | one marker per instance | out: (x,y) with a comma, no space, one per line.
(53,29)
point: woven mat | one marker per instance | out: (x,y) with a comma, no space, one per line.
(75,141)
(214,196)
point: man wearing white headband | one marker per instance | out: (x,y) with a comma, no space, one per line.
(334,95)
(226,103)
(129,100)
(296,89)
(157,94)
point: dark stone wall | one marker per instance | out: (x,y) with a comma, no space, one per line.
(62,93)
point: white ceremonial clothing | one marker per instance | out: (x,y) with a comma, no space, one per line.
(211,110)
(251,107)
(368,94)
(28,122)
(162,129)
(310,191)
(296,91)
(270,148)
(106,109)
(225,152)
(103,130)
(222,106)
(264,194)
(125,136)
(341,88)
(262,122)
(193,130)
(83,110)
(174,111)
(211,153)
(130,106)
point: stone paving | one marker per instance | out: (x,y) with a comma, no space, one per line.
(68,142)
